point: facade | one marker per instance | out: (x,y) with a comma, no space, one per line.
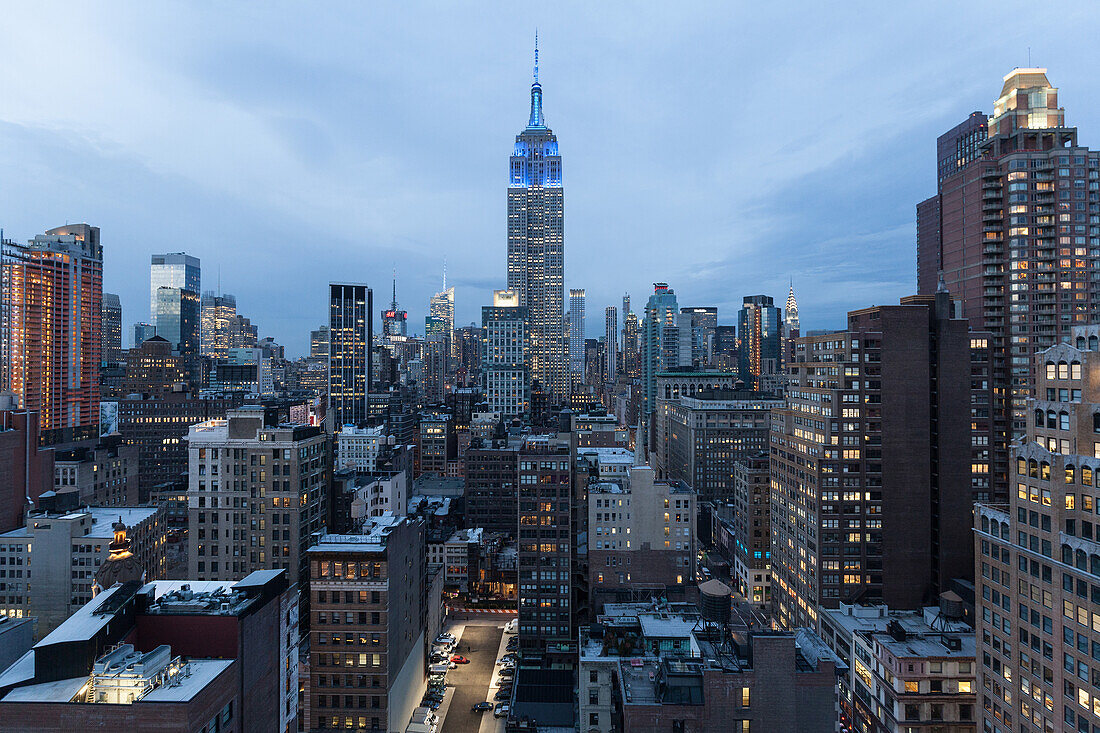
(65,550)
(641,537)
(506,355)
(492,484)
(185,656)
(51,310)
(217,317)
(660,349)
(177,318)
(576,335)
(359,448)
(536,247)
(255,494)
(877,459)
(157,424)
(368,615)
(1037,558)
(910,670)
(545,549)
(646,669)
(152,368)
(112,329)
(701,321)
(350,354)
(632,359)
(611,342)
(176,270)
(319,343)
(103,475)
(752,555)
(26,470)
(438,443)
(705,433)
(143,332)
(1017,240)
(758,328)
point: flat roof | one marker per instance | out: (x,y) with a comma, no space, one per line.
(201,673)
(57,691)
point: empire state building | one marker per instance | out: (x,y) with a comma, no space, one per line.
(536,245)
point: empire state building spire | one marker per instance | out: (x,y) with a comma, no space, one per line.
(537,121)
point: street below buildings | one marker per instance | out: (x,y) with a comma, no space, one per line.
(480,643)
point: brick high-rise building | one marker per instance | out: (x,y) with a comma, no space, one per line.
(752,555)
(368,619)
(1015,229)
(492,483)
(152,368)
(1037,558)
(51,311)
(545,549)
(877,459)
(256,492)
(26,471)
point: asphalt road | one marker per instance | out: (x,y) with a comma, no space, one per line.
(479,644)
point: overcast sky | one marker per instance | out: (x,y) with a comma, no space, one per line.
(720,147)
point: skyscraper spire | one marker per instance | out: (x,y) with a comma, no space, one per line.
(536,120)
(444,274)
(393,303)
(792,310)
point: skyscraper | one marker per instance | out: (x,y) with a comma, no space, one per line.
(632,361)
(143,332)
(395,322)
(1038,554)
(51,311)
(1017,232)
(504,359)
(536,251)
(758,328)
(611,339)
(319,343)
(791,317)
(217,316)
(874,503)
(657,356)
(700,324)
(351,309)
(576,334)
(177,319)
(175,270)
(112,328)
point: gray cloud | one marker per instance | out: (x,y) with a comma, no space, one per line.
(719,147)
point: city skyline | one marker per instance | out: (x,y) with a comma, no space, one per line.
(669,89)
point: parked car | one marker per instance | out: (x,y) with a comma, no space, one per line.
(431,704)
(481,707)
(510,627)
(445,639)
(502,695)
(500,710)
(507,672)
(459,659)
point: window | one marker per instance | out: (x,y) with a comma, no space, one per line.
(744,697)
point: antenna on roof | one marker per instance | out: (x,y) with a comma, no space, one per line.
(536,55)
